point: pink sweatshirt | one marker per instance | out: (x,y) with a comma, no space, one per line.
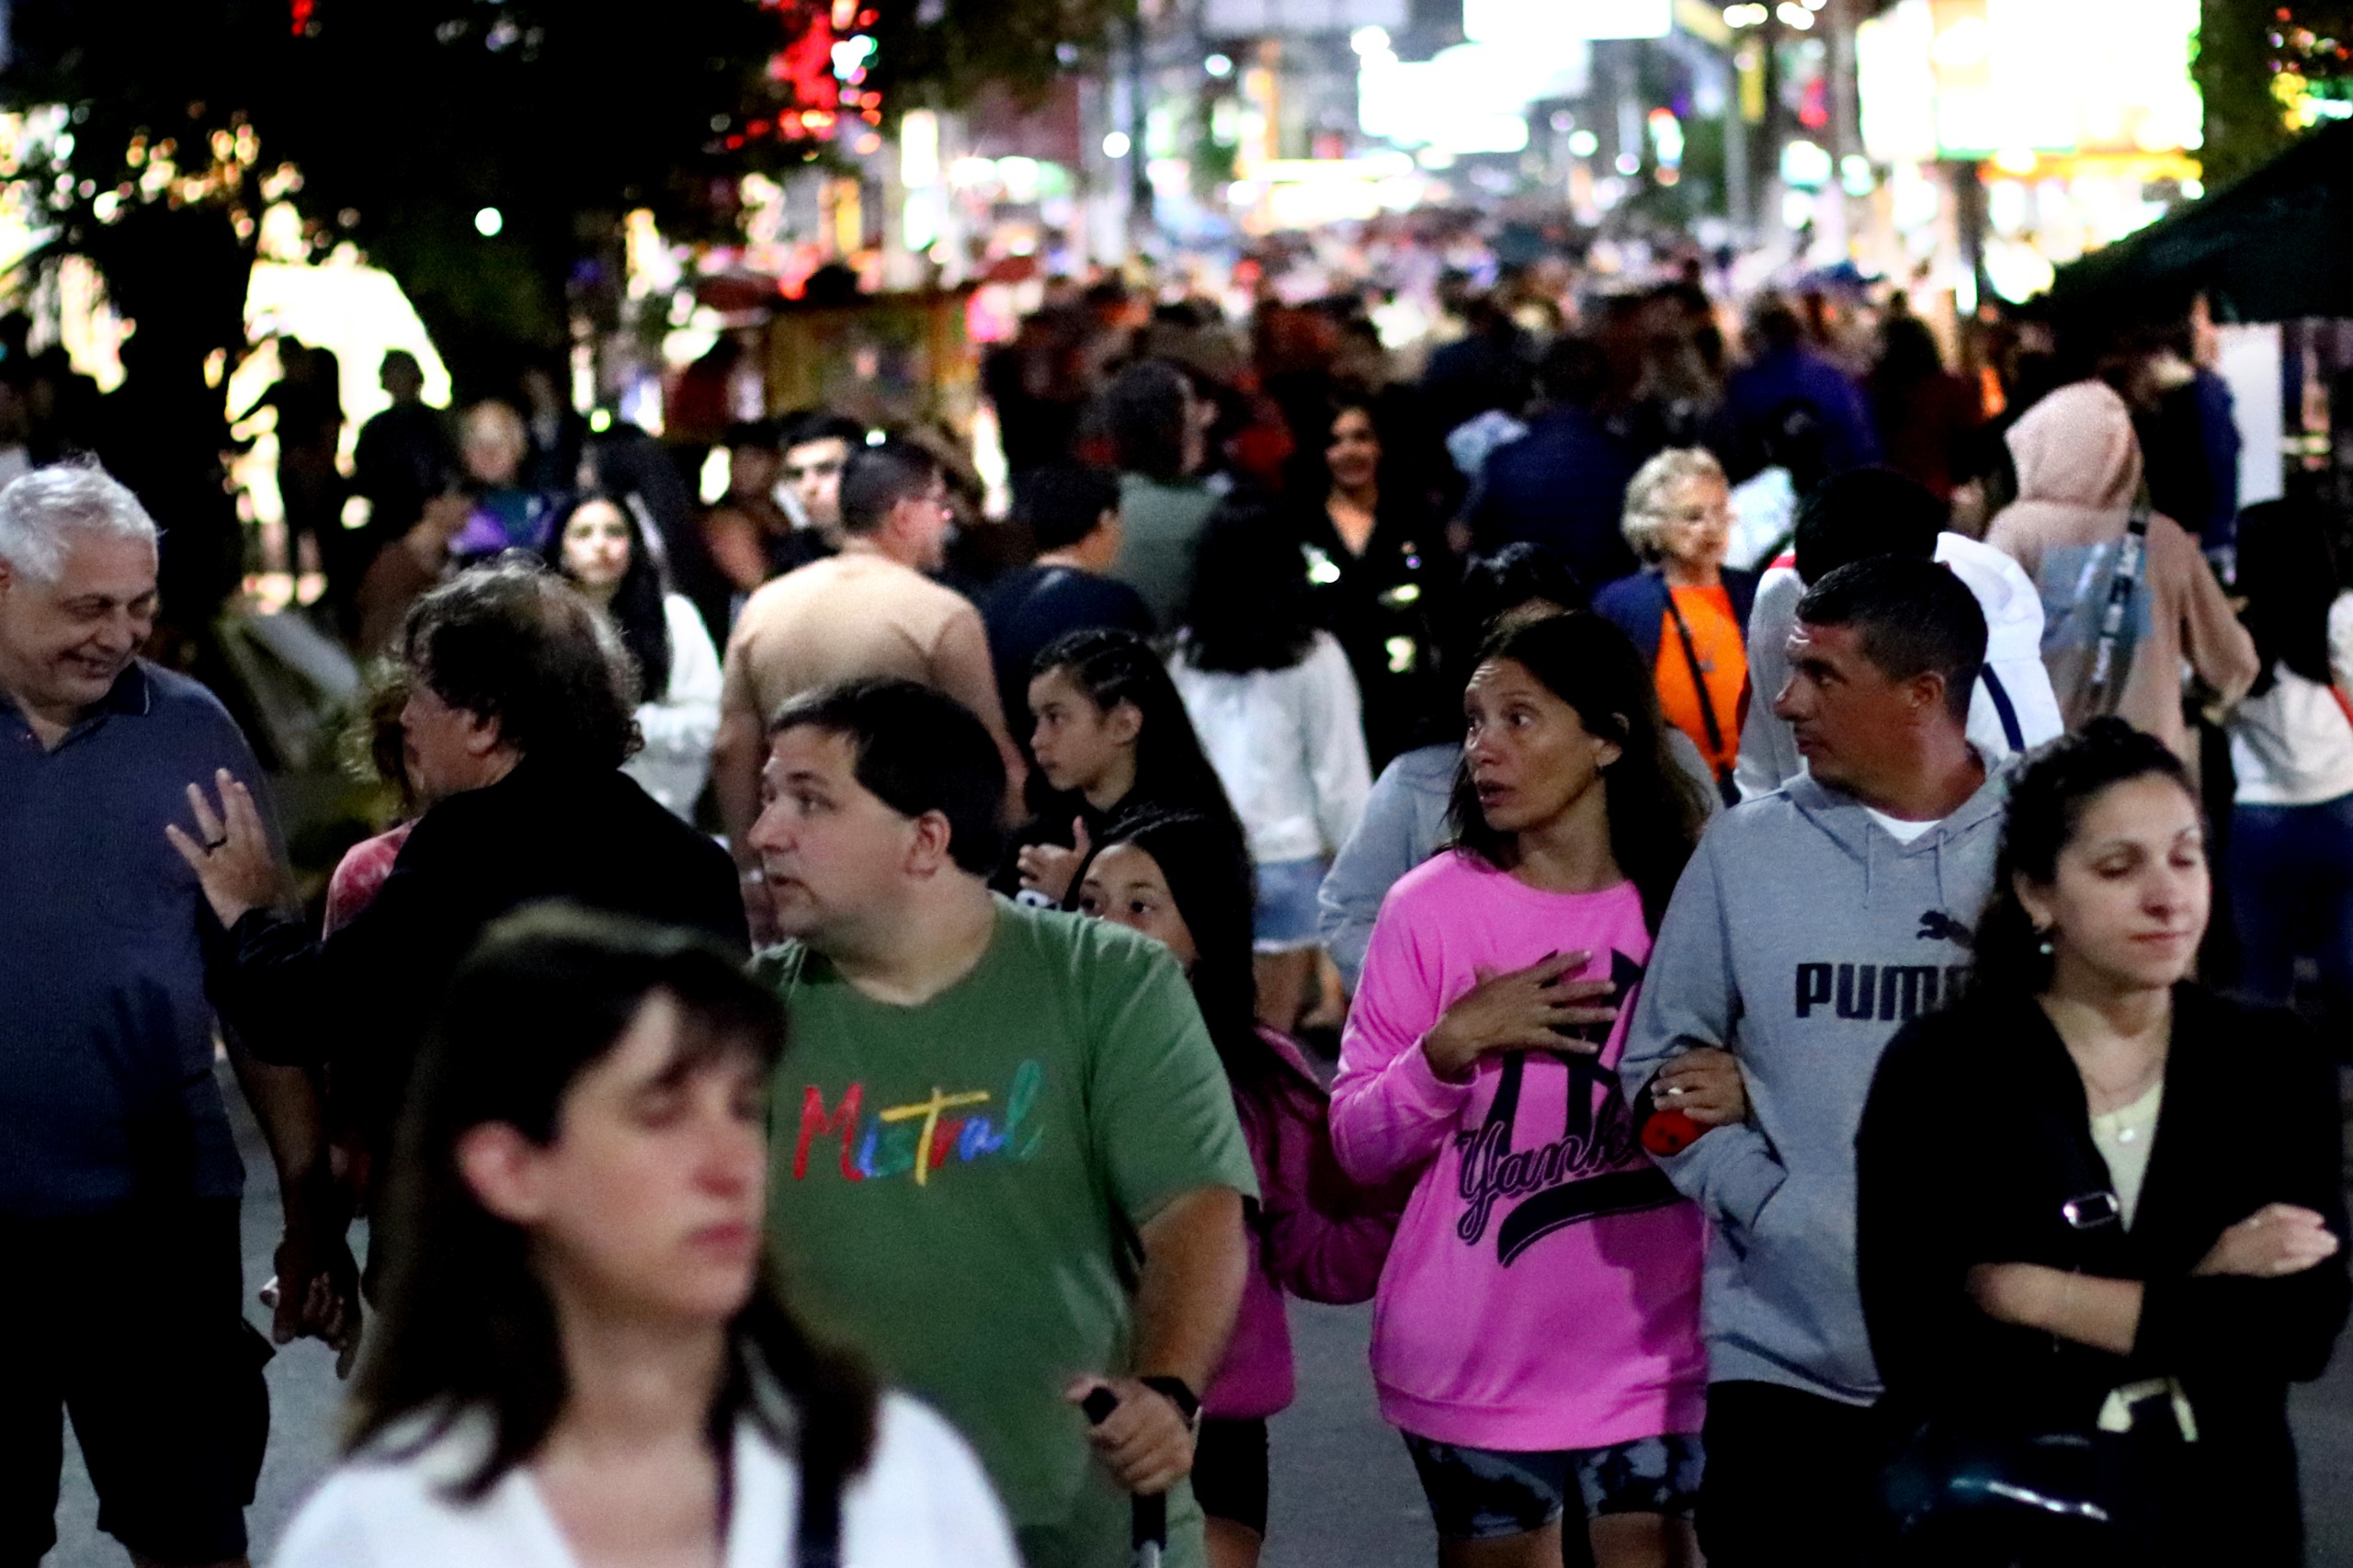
(1543,1291)
(1317,1235)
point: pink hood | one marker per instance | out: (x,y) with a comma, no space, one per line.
(2076,448)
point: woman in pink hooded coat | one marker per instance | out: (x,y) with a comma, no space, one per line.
(2079,478)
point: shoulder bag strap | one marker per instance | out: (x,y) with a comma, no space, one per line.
(1708,719)
(2012,730)
(2104,684)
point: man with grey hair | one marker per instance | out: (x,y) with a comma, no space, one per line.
(118,1177)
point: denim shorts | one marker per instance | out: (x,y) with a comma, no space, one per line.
(1484,1494)
(1284,919)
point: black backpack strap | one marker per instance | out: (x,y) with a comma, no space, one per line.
(2012,730)
(1708,719)
(818,1542)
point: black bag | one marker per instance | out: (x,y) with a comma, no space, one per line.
(1965,1494)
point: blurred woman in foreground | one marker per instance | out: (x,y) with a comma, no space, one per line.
(582,1359)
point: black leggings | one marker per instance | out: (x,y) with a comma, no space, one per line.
(1230,1471)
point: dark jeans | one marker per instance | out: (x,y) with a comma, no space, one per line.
(2291,873)
(132,1322)
(1791,1478)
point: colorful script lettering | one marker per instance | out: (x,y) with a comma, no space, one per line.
(922,1136)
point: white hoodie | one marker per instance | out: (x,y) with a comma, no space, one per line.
(1768,756)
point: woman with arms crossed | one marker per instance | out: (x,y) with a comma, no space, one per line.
(2095,1195)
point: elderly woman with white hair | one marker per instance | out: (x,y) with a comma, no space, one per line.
(1686,611)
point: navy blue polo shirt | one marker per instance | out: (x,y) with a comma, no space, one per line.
(107,1089)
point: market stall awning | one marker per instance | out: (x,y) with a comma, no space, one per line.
(2277,246)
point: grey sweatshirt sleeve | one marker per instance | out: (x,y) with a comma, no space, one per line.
(1769,755)
(1691,998)
(1382,849)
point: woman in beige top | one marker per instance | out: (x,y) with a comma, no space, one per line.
(2079,473)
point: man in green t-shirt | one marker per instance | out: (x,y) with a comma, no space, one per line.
(1006,1161)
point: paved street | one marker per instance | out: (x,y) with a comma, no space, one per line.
(1345,1495)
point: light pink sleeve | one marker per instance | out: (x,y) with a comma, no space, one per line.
(1391,1112)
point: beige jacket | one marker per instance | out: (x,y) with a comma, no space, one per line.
(2079,470)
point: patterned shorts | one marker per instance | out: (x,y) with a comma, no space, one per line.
(1481,1493)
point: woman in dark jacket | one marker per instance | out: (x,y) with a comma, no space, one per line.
(2094,1194)
(1377,563)
(1686,611)
(518,719)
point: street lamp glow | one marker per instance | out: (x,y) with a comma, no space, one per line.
(488,222)
(1218,65)
(1583,144)
(1369,40)
(1116,144)
(1793,15)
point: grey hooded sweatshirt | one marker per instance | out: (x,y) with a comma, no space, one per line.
(1802,937)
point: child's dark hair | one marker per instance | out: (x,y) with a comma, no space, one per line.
(1209,878)
(1655,810)
(1110,666)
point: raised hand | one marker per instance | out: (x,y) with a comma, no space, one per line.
(230,852)
(1049,868)
(1522,1009)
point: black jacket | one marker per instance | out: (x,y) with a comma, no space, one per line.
(1637,605)
(1962,1159)
(362,1000)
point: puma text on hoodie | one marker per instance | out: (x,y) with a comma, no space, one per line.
(1802,937)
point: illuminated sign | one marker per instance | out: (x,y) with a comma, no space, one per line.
(1972,78)
(1524,23)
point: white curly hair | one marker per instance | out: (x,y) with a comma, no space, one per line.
(1646,493)
(39,510)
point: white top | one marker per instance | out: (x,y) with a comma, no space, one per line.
(679,728)
(1288,747)
(2123,1137)
(1902,830)
(2013,609)
(2293,745)
(923,1503)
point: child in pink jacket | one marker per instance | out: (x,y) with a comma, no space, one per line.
(1316,1233)
(1536,1335)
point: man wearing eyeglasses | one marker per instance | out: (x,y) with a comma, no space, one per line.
(868,611)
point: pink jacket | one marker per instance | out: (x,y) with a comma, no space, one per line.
(1319,1236)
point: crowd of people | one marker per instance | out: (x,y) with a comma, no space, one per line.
(1687,877)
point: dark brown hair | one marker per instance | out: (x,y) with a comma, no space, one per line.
(465,1322)
(1655,810)
(513,641)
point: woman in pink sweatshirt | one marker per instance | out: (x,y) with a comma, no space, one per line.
(1536,1335)
(1179,880)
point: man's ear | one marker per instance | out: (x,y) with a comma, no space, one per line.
(484,734)
(501,1167)
(927,849)
(1927,691)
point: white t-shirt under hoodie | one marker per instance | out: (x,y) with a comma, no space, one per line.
(923,1501)
(2293,745)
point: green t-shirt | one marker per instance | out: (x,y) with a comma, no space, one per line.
(956,1189)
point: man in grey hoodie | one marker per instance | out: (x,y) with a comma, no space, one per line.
(1810,925)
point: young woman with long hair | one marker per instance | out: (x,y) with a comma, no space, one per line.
(1181,880)
(1376,565)
(600,549)
(1277,708)
(582,1357)
(2290,860)
(1536,1339)
(2095,1198)
(1112,739)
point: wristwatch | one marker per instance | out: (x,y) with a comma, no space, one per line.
(1180,1394)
